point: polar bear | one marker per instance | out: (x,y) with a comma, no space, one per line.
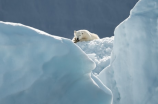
(84,35)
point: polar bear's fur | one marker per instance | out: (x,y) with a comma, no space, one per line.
(84,35)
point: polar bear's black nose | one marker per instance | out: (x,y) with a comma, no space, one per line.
(77,39)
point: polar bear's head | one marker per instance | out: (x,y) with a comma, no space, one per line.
(81,34)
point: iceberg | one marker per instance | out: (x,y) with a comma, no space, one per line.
(132,75)
(38,68)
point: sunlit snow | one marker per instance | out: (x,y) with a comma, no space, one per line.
(99,51)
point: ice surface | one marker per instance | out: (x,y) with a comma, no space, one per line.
(133,72)
(99,51)
(36,68)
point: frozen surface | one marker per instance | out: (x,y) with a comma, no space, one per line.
(36,68)
(133,72)
(99,51)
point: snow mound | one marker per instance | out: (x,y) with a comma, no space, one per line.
(37,68)
(133,72)
(99,51)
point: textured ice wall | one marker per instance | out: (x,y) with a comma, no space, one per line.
(133,73)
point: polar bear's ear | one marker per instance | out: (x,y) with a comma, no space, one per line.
(74,32)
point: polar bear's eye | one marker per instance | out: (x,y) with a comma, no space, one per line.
(82,33)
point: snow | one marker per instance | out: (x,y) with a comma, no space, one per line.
(132,75)
(38,68)
(99,51)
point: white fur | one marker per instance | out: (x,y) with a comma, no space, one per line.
(84,35)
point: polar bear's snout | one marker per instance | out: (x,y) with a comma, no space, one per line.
(77,39)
